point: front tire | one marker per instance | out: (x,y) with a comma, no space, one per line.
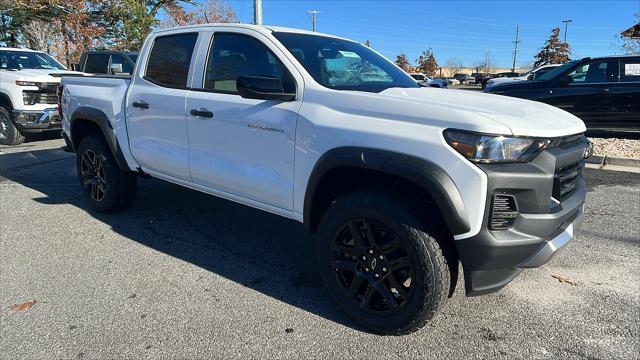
(382,263)
(107,187)
(9,134)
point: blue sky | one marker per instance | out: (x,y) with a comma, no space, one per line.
(461,30)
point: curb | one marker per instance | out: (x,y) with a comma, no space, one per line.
(615,161)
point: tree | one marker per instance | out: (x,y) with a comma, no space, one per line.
(554,51)
(427,63)
(403,62)
(630,38)
(486,65)
(213,11)
(455,66)
(37,35)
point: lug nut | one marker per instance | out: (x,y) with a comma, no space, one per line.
(370,251)
(381,257)
(377,275)
(384,269)
(366,269)
(364,257)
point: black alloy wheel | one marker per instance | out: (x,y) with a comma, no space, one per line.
(92,173)
(372,266)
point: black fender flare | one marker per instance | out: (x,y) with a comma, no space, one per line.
(431,177)
(6,99)
(101,120)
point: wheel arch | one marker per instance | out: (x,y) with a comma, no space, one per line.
(427,176)
(85,121)
(5,101)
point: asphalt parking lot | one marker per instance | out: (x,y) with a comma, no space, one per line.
(186,275)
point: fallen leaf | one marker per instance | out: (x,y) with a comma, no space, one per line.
(563,279)
(23,306)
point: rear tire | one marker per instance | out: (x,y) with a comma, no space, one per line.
(9,134)
(382,262)
(108,188)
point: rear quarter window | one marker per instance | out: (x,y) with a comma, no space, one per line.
(630,70)
(96,63)
(169,60)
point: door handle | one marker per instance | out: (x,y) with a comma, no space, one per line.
(141,104)
(201,112)
(607,89)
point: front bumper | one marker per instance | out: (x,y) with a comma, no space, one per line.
(542,226)
(33,121)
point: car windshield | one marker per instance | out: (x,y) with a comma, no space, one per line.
(344,65)
(18,60)
(557,71)
(133,57)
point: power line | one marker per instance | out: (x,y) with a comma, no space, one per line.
(314,18)
(515,49)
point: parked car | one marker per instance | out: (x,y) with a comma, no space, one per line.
(478,77)
(107,62)
(452,81)
(400,182)
(464,79)
(427,81)
(604,92)
(507,74)
(28,94)
(529,75)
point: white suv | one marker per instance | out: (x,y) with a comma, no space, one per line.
(28,93)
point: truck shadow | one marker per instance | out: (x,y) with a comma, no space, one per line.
(262,251)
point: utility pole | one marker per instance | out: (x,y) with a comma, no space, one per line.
(566,25)
(314,17)
(515,49)
(257,12)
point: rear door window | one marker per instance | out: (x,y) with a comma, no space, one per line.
(630,70)
(598,71)
(169,60)
(97,63)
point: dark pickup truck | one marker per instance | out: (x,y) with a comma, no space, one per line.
(107,62)
(604,92)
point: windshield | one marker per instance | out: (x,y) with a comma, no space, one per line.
(557,71)
(344,65)
(18,60)
(134,57)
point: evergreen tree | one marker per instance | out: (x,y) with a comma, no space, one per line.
(554,51)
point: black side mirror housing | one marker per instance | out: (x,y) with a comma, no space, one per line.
(262,88)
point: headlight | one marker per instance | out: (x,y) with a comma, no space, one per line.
(486,148)
(26,83)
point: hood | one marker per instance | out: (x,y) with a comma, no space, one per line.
(522,117)
(38,75)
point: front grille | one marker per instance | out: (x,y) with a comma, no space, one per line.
(504,211)
(37,97)
(567,180)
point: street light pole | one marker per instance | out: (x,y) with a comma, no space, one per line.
(257,12)
(566,25)
(314,18)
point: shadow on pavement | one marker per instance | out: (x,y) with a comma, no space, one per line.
(262,251)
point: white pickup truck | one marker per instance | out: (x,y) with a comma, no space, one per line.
(400,182)
(28,99)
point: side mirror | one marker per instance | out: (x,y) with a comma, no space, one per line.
(565,80)
(263,88)
(115,69)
